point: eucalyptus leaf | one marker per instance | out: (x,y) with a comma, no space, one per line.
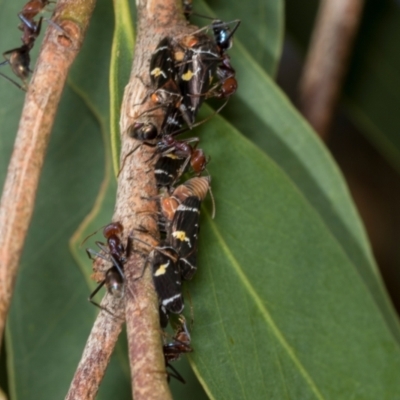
(264,114)
(280,311)
(287,301)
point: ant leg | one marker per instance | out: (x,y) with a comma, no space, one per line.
(132,151)
(178,132)
(124,160)
(6,53)
(39,26)
(95,291)
(237,21)
(58,27)
(92,234)
(129,245)
(99,305)
(181,170)
(30,24)
(114,261)
(175,374)
(143,270)
(12,81)
(92,254)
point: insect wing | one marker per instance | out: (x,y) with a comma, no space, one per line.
(173,121)
(168,169)
(196,75)
(167,281)
(161,64)
(184,235)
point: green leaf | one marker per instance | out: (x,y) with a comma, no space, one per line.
(50,318)
(287,301)
(280,310)
(121,62)
(263,113)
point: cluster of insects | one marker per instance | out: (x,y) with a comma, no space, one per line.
(19,58)
(183,73)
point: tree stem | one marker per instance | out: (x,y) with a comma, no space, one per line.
(18,199)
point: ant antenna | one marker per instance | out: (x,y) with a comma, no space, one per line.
(92,234)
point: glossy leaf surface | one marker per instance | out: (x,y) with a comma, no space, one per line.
(287,302)
(287,312)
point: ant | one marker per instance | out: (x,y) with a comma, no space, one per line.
(226,74)
(223,37)
(180,345)
(19,58)
(30,10)
(114,278)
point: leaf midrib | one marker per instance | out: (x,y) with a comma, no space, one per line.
(264,311)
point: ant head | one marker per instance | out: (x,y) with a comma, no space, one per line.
(143,131)
(115,228)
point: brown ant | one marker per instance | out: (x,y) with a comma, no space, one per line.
(30,10)
(19,58)
(180,345)
(114,249)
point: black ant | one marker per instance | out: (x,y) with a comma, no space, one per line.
(114,277)
(180,345)
(19,58)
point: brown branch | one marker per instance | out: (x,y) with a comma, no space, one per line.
(156,19)
(98,350)
(326,62)
(56,56)
(137,211)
